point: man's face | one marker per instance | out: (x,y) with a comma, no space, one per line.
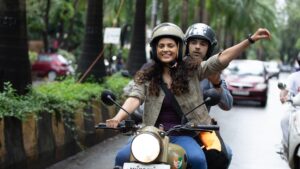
(198,48)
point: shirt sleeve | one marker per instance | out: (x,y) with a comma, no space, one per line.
(226,101)
(211,66)
(138,91)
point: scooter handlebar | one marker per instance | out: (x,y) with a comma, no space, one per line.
(124,126)
(103,126)
(208,127)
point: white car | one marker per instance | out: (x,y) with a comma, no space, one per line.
(272,68)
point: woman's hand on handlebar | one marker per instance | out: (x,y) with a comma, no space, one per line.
(112,123)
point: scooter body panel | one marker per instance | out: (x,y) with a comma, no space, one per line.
(294,138)
(176,157)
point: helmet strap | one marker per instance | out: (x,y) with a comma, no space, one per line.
(172,64)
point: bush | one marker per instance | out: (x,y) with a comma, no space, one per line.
(56,97)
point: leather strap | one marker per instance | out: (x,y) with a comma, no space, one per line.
(174,102)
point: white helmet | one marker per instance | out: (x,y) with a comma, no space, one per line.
(167,30)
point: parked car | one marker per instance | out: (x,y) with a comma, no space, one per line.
(51,65)
(272,68)
(247,80)
(286,68)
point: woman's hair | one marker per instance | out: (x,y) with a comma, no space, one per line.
(153,75)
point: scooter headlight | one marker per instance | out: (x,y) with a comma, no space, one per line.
(145,147)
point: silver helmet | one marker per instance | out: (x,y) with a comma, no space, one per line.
(201,31)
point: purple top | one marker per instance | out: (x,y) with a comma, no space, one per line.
(168,116)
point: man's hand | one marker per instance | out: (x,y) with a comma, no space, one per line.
(283,96)
(214,79)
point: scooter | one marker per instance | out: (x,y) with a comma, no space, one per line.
(293,146)
(150,146)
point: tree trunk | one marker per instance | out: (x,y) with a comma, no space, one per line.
(165,12)
(202,14)
(93,42)
(137,54)
(154,13)
(185,14)
(14,60)
(46,27)
(14,68)
(66,43)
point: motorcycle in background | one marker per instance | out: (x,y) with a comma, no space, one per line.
(293,145)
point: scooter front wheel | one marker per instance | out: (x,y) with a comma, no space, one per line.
(297,162)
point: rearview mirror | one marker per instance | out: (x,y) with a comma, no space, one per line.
(108,97)
(281,85)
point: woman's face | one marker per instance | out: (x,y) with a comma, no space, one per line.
(167,50)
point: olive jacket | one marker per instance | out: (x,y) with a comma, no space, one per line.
(187,101)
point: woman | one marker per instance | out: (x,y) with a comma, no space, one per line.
(167,49)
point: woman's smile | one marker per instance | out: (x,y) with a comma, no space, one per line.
(167,50)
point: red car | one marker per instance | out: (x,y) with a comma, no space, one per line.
(247,80)
(51,65)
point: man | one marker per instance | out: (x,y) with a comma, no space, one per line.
(200,43)
(292,88)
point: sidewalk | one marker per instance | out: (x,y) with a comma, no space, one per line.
(100,156)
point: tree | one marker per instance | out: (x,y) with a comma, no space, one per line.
(93,42)
(165,10)
(137,53)
(184,15)
(14,68)
(58,22)
(289,31)
(201,14)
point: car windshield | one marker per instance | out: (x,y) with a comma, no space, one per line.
(44,58)
(62,59)
(246,68)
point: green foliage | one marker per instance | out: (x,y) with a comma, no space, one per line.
(69,56)
(63,97)
(62,16)
(32,56)
(288,26)
(297,45)
(116,83)
(19,106)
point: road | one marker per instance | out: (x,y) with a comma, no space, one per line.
(253,133)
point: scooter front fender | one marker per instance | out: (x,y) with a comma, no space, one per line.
(298,152)
(176,156)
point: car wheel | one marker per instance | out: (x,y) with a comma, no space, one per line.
(52,75)
(263,103)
